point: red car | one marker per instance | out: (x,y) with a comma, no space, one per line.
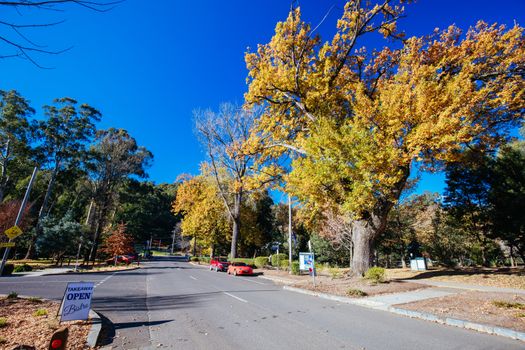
(239,268)
(121,259)
(219,264)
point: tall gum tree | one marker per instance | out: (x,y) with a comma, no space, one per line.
(64,137)
(16,130)
(358,123)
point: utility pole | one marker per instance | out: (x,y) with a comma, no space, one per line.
(289,232)
(19,216)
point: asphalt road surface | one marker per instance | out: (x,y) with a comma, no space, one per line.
(175,305)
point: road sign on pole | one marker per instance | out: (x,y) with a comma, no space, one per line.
(19,216)
(13,232)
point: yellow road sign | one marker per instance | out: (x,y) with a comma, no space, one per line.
(7,245)
(13,232)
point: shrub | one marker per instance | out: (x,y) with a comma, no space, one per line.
(194,258)
(3,322)
(283,264)
(247,261)
(2,340)
(23,268)
(277,258)
(375,274)
(356,293)
(40,312)
(8,269)
(205,259)
(34,300)
(508,305)
(12,295)
(260,261)
(295,268)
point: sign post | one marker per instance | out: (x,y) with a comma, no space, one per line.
(77,301)
(15,231)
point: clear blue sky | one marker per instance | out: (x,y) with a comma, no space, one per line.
(147,64)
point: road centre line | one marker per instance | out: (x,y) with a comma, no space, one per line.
(235,297)
(250,280)
(105,279)
(193,278)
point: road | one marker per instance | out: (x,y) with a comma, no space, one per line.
(170,304)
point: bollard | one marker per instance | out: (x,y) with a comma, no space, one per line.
(59,340)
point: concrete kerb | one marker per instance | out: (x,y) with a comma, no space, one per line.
(90,272)
(482,328)
(96,328)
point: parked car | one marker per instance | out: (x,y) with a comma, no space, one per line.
(219,264)
(121,259)
(239,268)
(132,256)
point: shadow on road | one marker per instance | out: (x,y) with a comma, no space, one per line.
(109,328)
(172,302)
(123,325)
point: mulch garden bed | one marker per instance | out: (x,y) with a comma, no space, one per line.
(32,322)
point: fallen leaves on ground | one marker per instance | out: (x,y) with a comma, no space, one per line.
(23,327)
(479,307)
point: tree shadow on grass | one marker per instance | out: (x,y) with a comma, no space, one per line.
(468,271)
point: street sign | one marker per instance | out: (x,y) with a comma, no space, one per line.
(13,232)
(77,301)
(306,261)
(7,245)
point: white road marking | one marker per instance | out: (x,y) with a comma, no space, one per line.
(250,280)
(235,297)
(193,278)
(105,279)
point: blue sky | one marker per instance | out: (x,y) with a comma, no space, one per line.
(147,67)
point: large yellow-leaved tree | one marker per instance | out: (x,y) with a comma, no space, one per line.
(204,216)
(358,123)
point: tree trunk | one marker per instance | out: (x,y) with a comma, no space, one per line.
(3,176)
(363,235)
(43,212)
(236,218)
(403,261)
(511,255)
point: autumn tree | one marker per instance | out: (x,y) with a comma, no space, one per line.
(118,242)
(203,214)
(223,135)
(359,122)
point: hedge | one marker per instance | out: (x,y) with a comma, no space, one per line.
(260,261)
(276,259)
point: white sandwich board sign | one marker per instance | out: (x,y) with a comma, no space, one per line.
(77,301)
